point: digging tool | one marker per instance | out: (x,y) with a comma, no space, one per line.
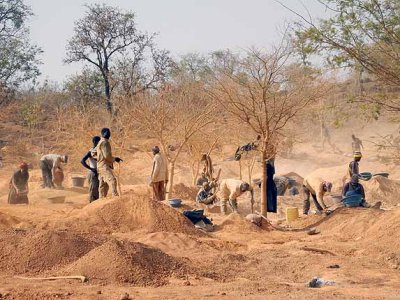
(79,277)
(118,180)
(218,175)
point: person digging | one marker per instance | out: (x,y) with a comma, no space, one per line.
(205,194)
(51,167)
(316,188)
(19,186)
(230,190)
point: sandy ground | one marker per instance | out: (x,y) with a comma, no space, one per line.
(149,250)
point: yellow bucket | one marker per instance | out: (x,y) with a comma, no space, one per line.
(292,213)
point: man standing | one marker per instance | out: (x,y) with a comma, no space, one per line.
(230,190)
(105,164)
(50,164)
(159,175)
(356,144)
(19,186)
(93,177)
(316,188)
(354,165)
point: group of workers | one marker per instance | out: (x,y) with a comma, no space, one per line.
(100,177)
(313,187)
(100,163)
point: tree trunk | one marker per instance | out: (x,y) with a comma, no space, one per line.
(196,172)
(170,180)
(264,178)
(107,91)
(249,173)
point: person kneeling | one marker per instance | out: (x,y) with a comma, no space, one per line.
(205,195)
(353,193)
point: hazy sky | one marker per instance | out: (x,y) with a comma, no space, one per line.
(183,25)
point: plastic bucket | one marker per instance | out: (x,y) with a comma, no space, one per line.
(78,181)
(175,202)
(292,213)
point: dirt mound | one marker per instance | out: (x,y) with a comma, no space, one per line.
(236,223)
(377,232)
(35,252)
(382,189)
(295,176)
(7,221)
(128,213)
(127,262)
(185,192)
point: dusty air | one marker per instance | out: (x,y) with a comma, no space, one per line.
(199,149)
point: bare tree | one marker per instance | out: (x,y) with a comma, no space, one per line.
(263,92)
(173,117)
(104,35)
(131,77)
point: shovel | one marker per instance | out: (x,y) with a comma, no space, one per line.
(118,181)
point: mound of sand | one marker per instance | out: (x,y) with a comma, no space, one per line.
(35,252)
(127,262)
(382,189)
(127,213)
(236,223)
(297,177)
(7,221)
(185,192)
(376,231)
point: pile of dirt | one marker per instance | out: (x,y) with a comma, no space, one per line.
(185,192)
(238,224)
(128,263)
(128,213)
(7,221)
(382,189)
(39,251)
(377,232)
(295,176)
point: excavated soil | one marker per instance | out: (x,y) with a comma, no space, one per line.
(128,263)
(40,251)
(383,189)
(183,191)
(127,213)
(7,221)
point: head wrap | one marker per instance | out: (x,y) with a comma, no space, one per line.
(155,149)
(23,165)
(244,186)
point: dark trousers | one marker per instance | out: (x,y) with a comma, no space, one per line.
(93,180)
(46,174)
(159,190)
(306,205)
